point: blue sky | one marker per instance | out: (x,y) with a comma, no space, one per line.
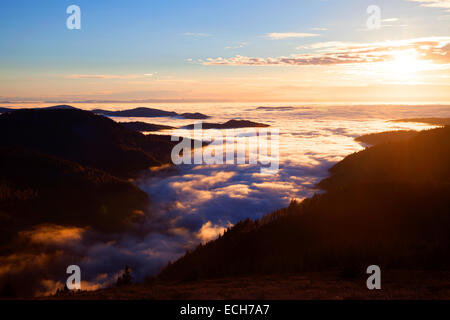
(159,37)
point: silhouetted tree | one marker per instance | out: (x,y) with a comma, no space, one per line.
(125,279)
(8,291)
(387,204)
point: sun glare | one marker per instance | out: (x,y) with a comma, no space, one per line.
(405,64)
(403,67)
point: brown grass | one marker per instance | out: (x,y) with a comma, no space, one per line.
(307,286)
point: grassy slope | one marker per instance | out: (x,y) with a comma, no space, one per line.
(306,286)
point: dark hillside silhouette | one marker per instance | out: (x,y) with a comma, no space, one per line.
(62,168)
(433,121)
(149,113)
(86,138)
(388,136)
(61,106)
(231,124)
(423,159)
(144,126)
(386,205)
(40,189)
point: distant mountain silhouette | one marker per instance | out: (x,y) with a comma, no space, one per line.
(386,205)
(144,126)
(195,115)
(62,106)
(136,112)
(231,124)
(148,113)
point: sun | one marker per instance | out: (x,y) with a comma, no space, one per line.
(404,64)
(399,67)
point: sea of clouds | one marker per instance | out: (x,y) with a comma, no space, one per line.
(196,203)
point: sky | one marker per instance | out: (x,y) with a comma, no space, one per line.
(265,50)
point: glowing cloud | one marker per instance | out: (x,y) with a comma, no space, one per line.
(53,234)
(210,232)
(434,49)
(434,3)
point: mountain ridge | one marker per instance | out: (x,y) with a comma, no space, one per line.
(366,216)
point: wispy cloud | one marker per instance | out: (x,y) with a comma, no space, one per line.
(108,76)
(196,34)
(327,44)
(390,20)
(295,60)
(240,45)
(286,35)
(435,49)
(434,3)
(444,17)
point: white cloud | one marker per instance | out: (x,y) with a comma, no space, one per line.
(435,49)
(328,44)
(286,35)
(445,4)
(240,45)
(390,20)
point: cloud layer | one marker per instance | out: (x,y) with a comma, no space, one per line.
(286,35)
(199,202)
